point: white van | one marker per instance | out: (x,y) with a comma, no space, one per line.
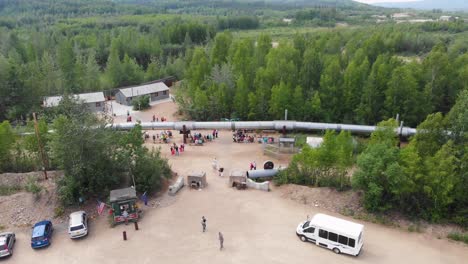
(337,234)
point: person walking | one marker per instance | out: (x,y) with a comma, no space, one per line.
(176,150)
(221,241)
(254,165)
(203,223)
(154,139)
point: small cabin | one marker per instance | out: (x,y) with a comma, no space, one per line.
(124,200)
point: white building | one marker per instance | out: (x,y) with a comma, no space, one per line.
(94,101)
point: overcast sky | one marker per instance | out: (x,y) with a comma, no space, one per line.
(384,1)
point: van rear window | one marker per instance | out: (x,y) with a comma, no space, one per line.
(78,227)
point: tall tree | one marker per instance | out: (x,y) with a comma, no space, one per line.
(280,100)
(311,69)
(66,61)
(220,50)
(198,68)
(241,99)
(330,87)
(114,70)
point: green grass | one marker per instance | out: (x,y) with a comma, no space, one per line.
(458,237)
(9,190)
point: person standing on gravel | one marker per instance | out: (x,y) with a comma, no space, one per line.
(203,223)
(221,241)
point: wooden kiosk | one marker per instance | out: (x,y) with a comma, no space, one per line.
(124,200)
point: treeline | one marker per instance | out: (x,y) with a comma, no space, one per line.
(242,22)
(426,179)
(339,76)
(73,57)
(325,13)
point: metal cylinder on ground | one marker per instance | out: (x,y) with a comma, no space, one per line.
(255,174)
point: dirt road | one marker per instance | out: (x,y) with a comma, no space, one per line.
(258,227)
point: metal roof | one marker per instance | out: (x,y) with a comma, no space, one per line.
(198,174)
(51,101)
(144,89)
(91,97)
(123,194)
(342,227)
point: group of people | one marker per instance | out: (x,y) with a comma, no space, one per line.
(163,136)
(242,137)
(198,138)
(220,235)
(175,150)
(156,119)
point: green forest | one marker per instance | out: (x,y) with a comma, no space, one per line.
(322,60)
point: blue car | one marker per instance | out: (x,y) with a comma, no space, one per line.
(41,234)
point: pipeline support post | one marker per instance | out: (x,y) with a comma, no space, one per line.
(184,131)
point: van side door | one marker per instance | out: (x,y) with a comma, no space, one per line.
(309,232)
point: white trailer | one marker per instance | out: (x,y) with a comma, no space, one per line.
(326,231)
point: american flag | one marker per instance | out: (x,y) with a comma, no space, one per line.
(100,207)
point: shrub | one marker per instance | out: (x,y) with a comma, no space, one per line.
(141,102)
(8,190)
(33,187)
(59,211)
(459,237)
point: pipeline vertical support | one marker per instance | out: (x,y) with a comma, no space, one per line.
(184,131)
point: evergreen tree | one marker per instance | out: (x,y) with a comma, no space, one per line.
(114,69)
(66,61)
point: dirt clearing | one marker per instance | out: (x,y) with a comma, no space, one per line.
(258,227)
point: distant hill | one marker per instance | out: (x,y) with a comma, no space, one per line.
(429,4)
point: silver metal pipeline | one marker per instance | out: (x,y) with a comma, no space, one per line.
(264,125)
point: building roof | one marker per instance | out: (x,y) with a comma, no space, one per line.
(198,174)
(144,89)
(237,173)
(85,97)
(338,225)
(91,97)
(123,194)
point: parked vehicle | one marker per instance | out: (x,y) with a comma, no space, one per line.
(7,241)
(41,234)
(339,235)
(78,224)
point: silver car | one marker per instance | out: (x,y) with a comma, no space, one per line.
(78,224)
(7,241)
